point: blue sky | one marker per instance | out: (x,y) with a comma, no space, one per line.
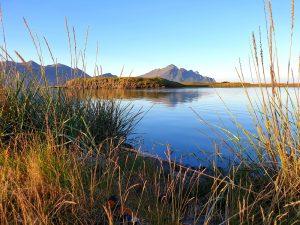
(204,35)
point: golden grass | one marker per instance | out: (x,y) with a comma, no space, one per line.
(46,184)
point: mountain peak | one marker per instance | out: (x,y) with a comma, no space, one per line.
(173,73)
(56,65)
(171,66)
(32,63)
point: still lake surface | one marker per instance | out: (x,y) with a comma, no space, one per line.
(180,117)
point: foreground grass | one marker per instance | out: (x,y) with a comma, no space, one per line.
(44,184)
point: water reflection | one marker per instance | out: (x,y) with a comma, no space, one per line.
(167,97)
(170,119)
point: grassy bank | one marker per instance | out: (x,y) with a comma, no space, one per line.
(45,183)
(121,83)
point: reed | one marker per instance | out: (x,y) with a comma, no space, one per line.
(272,174)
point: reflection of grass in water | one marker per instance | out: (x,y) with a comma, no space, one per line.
(170,98)
(116,94)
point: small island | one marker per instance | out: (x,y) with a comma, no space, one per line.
(121,83)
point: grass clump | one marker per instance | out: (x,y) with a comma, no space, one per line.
(54,113)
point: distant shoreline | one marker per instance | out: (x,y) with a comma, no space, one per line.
(237,84)
(156,83)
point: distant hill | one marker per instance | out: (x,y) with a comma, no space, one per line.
(174,73)
(107,75)
(56,74)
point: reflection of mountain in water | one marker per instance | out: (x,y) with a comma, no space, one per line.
(168,97)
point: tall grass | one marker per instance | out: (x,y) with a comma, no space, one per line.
(66,118)
(273,175)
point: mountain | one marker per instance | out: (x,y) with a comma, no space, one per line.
(56,74)
(174,73)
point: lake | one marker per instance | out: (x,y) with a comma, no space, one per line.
(193,122)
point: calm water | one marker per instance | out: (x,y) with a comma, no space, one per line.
(179,117)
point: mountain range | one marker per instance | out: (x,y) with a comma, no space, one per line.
(55,74)
(58,74)
(173,73)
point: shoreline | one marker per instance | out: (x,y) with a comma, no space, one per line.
(195,85)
